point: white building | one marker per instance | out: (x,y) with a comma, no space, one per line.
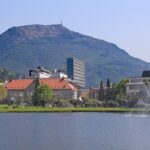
(139,87)
(59,74)
(21,89)
(40,73)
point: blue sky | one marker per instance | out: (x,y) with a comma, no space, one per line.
(123,22)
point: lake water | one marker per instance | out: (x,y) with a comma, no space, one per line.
(74,131)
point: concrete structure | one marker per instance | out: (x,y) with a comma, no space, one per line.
(139,87)
(42,73)
(59,74)
(76,71)
(39,72)
(24,88)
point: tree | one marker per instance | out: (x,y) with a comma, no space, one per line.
(122,99)
(113,92)
(108,90)
(121,86)
(108,83)
(101,92)
(37,82)
(3,92)
(27,98)
(42,95)
(118,91)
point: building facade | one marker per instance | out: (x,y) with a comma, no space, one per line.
(94,93)
(59,74)
(39,72)
(23,89)
(76,71)
(138,88)
(20,90)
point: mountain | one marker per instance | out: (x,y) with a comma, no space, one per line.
(25,47)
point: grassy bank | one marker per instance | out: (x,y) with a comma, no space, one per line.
(5,108)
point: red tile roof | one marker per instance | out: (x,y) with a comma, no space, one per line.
(20,84)
(57,83)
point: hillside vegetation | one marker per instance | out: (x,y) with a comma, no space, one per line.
(25,47)
(6,75)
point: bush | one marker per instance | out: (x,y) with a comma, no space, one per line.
(140,105)
(132,103)
(123,103)
(62,103)
(77,103)
(92,103)
(110,103)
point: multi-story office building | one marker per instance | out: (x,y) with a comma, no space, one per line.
(76,71)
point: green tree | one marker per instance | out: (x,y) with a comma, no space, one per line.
(121,86)
(27,98)
(108,83)
(42,95)
(3,92)
(101,92)
(121,99)
(108,90)
(116,91)
(37,82)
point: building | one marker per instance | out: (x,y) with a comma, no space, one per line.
(24,88)
(61,88)
(19,90)
(42,73)
(39,72)
(76,71)
(84,93)
(138,88)
(59,74)
(94,93)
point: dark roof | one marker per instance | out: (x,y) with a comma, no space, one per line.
(146,73)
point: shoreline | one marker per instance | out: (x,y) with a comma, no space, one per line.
(37,109)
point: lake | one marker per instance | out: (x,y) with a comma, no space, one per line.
(74,131)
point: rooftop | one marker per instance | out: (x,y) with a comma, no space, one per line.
(19,84)
(23,84)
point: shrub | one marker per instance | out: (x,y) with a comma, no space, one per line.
(132,103)
(62,103)
(77,103)
(92,103)
(110,103)
(123,103)
(140,105)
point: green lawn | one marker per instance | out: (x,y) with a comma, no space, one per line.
(6,108)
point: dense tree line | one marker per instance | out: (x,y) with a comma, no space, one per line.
(113,94)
